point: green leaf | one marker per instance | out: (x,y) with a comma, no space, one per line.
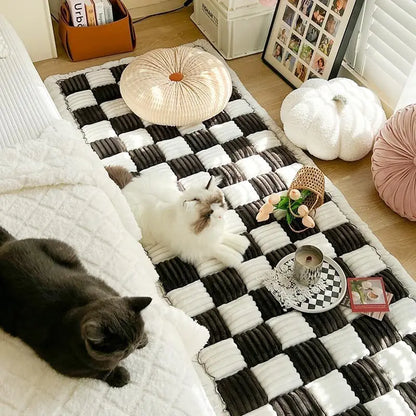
(284,199)
(289,218)
(284,203)
(304,193)
(295,205)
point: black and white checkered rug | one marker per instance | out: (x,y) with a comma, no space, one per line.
(263,360)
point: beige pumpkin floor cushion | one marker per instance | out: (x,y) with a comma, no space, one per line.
(176,86)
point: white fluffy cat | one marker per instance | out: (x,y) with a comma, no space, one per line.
(189,223)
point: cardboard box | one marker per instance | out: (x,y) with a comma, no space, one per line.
(82,43)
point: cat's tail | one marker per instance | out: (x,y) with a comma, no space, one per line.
(121,176)
(5,236)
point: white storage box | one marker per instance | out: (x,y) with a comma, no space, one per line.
(234,33)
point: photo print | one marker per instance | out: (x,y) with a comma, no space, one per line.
(278,52)
(339,6)
(300,71)
(312,34)
(306,7)
(300,25)
(283,35)
(318,15)
(332,25)
(306,53)
(319,63)
(308,38)
(289,61)
(288,16)
(294,43)
(325,45)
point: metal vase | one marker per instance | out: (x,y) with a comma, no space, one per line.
(307,274)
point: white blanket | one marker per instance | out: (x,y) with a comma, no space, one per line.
(56,187)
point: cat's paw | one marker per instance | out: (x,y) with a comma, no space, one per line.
(119,377)
(239,243)
(228,256)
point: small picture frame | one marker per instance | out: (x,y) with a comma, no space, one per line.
(308,38)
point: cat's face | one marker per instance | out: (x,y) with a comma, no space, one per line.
(113,328)
(204,207)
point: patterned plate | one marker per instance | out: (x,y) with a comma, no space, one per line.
(323,296)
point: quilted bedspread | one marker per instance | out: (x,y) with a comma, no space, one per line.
(56,187)
(261,360)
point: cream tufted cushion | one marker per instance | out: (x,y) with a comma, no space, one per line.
(176,86)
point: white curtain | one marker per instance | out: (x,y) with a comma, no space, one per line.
(408,95)
(382,50)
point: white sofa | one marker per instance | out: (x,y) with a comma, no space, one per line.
(52,185)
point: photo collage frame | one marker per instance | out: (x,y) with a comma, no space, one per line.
(308,38)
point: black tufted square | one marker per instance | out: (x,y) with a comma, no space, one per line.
(175,273)
(224,286)
(311,360)
(241,392)
(367,380)
(74,84)
(89,115)
(258,345)
(376,335)
(106,93)
(214,322)
(147,156)
(126,122)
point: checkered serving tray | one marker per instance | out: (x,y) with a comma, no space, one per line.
(322,296)
(261,359)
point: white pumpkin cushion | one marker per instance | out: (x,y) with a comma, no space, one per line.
(332,119)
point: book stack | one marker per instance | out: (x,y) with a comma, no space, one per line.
(367,295)
(90,12)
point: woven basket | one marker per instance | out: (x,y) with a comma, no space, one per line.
(313,180)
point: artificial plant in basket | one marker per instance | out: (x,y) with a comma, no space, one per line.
(304,196)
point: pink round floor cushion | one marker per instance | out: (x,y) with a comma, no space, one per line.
(394,162)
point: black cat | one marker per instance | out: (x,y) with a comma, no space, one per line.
(74,321)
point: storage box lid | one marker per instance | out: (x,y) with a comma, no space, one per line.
(236,4)
(249,10)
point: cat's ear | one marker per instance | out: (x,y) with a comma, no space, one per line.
(92,331)
(213,182)
(137,304)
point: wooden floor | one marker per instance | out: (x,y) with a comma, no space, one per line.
(353,179)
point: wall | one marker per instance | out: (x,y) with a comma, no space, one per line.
(137,8)
(141,8)
(32,22)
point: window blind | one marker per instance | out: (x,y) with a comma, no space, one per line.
(383,48)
